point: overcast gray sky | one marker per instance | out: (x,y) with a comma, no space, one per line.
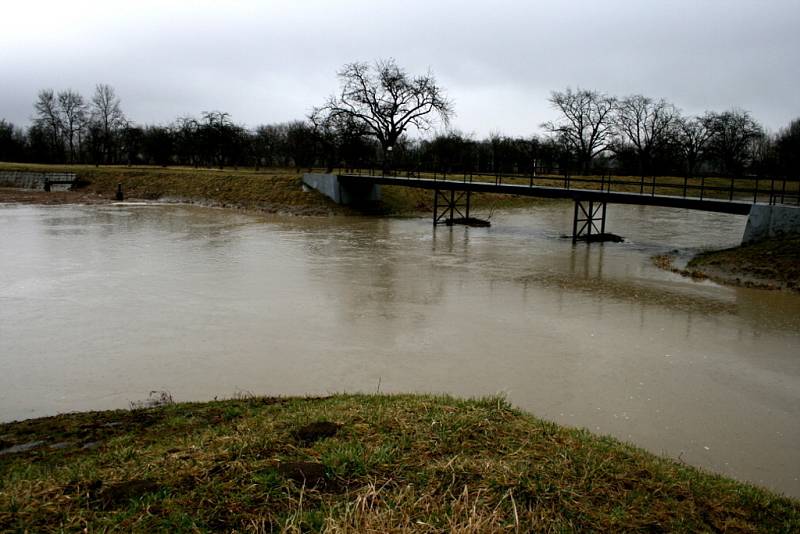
(271,61)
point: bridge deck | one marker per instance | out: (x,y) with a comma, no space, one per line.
(736,206)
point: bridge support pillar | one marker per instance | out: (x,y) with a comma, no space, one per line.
(589,219)
(450,206)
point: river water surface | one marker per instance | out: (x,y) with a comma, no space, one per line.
(100,305)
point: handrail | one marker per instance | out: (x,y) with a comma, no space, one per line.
(778,190)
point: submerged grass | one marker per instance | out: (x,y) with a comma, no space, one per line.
(371,463)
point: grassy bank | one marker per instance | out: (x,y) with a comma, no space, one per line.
(769,264)
(266,190)
(355,463)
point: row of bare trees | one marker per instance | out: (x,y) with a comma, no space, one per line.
(654,132)
(214,140)
(370,119)
(66,125)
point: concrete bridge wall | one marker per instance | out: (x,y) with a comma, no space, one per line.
(771,221)
(342,192)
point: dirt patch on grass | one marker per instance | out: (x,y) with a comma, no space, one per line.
(65,433)
(309,473)
(315,431)
(119,493)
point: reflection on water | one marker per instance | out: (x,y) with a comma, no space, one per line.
(100,305)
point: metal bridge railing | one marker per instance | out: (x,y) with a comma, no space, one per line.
(772,190)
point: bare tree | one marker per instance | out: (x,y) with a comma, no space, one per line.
(646,124)
(107,115)
(385,101)
(188,143)
(788,148)
(269,144)
(12,142)
(586,126)
(72,111)
(693,136)
(48,119)
(217,132)
(733,135)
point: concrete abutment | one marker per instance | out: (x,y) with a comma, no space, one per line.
(765,221)
(342,191)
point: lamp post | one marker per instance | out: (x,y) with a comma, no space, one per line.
(388,163)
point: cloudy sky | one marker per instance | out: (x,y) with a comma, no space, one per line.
(271,61)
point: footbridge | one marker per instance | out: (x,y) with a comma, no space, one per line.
(772,205)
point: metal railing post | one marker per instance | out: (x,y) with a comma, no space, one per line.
(575,223)
(435,205)
(603,221)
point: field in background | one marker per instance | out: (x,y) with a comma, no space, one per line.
(269,190)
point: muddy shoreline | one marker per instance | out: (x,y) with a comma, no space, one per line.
(773,264)
(56,198)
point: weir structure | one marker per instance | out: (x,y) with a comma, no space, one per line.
(772,205)
(36,180)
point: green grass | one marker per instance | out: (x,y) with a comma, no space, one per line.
(268,190)
(392,463)
(271,190)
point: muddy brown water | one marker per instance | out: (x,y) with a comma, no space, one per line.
(101,305)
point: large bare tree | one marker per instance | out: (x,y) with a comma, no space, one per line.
(788,148)
(693,136)
(733,134)
(72,111)
(385,101)
(107,115)
(48,119)
(646,124)
(585,125)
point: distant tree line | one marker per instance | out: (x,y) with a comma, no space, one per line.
(640,135)
(593,133)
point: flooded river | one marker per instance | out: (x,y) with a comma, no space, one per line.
(100,305)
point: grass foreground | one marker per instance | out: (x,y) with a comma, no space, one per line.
(355,463)
(773,263)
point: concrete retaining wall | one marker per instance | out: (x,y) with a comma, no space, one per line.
(771,221)
(33,180)
(342,193)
